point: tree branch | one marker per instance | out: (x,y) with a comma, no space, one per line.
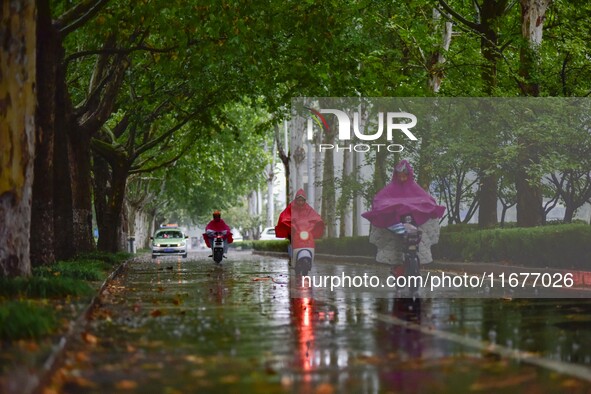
(149,145)
(139,170)
(78,15)
(282,155)
(460,18)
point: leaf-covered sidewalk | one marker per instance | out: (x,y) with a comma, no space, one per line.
(188,326)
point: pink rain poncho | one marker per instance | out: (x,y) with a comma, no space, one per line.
(400,197)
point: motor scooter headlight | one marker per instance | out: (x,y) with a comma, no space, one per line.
(304,235)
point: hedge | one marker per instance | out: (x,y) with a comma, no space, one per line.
(559,245)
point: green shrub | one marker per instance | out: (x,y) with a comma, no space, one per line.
(24,320)
(347,246)
(244,245)
(558,246)
(271,245)
(458,228)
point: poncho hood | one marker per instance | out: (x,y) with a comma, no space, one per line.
(402,197)
(303,217)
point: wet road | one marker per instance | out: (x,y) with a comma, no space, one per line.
(178,326)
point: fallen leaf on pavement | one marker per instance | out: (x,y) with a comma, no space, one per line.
(82,357)
(195,359)
(89,338)
(325,388)
(126,385)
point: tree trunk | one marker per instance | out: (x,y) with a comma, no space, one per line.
(270,188)
(101,180)
(437,58)
(42,223)
(529,194)
(328,194)
(346,214)
(17,134)
(82,238)
(487,212)
(529,197)
(284,157)
(298,154)
(316,202)
(110,238)
(533,14)
(569,214)
(62,188)
(492,10)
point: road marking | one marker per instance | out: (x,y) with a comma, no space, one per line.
(575,370)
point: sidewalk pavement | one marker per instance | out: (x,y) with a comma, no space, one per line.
(29,379)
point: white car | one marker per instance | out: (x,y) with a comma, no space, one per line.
(169,242)
(268,233)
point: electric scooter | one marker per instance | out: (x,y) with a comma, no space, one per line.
(302,252)
(411,237)
(218,244)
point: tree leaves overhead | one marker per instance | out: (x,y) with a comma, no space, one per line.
(225,163)
(196,64)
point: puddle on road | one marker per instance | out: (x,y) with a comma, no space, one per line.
(190,325)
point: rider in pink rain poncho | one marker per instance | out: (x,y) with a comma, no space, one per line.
(403,196)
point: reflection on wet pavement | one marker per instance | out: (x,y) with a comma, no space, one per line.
(175,325)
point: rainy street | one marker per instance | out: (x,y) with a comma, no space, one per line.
(188,325)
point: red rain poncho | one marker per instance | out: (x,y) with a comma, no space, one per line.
(400,198)
(218,225)
(303,218)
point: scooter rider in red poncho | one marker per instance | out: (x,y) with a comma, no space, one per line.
(217,224)
(299,215)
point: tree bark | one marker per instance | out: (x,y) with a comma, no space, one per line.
(42,223)
(529,201)
(84,126)
(62,188)
(17,134)
(270,188)
(79,153)
(437,57)
(491,12)
(110,239)
(328,212)
(487,212)
(284,157)
(101,179)
(529,193)
(346,214)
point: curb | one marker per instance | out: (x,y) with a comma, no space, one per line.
(56,357)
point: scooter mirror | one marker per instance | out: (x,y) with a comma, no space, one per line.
(304,235)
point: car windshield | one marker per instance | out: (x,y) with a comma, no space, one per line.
(169,234)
